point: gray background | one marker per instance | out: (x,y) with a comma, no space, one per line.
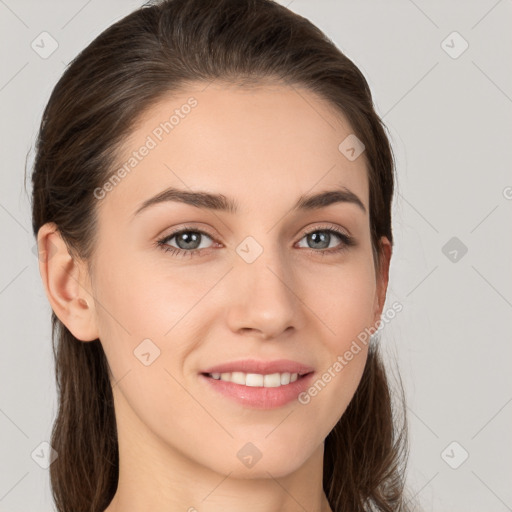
(450,123)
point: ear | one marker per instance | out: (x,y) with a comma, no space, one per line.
(382,277)
(67,284)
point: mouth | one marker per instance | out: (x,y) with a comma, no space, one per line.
(258,384)
(258,380)
(258,390)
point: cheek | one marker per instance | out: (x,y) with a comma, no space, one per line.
(143,300)
(149,316)
(342,299)
(345,309)
(329,395)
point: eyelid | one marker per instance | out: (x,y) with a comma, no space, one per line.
(325,226)
(176,231)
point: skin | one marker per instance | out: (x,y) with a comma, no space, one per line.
(178,440)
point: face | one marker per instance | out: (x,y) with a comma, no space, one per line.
(181,289)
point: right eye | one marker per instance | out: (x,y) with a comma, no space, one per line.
(188,238)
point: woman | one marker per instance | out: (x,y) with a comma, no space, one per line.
(212,202)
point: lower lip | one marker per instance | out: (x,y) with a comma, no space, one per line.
(260,397)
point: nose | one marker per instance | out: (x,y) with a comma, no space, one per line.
(265,301)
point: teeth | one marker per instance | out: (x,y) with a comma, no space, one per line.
(272,380)
(237,378)
(253,380)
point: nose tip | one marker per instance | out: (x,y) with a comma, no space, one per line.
(266,303)
(272,330)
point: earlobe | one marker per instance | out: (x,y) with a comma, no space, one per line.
(66,282)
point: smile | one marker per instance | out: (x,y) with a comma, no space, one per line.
(272,380)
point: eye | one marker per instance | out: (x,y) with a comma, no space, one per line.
(321,238)
(188,241)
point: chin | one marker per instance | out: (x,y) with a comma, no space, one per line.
(271,463)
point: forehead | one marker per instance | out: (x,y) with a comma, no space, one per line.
(269,141)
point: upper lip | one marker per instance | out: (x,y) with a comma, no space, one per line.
(261,367)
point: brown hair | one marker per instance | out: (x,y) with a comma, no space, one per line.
(158,49)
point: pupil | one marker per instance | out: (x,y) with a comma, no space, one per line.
(188,239)
(320,237)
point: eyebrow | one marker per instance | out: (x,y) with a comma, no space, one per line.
(220,202)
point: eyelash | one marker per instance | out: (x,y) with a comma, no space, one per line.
(347,241)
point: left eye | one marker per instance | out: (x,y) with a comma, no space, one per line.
(322,237)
